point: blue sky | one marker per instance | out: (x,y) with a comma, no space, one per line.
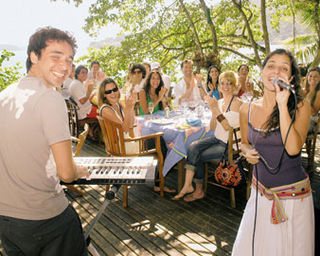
(20,18)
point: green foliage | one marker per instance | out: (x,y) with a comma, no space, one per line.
(161,30)
(8,75)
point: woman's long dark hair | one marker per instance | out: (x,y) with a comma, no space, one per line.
(147,86)
(101,98)
(209,78)
(274,119)
(317,69)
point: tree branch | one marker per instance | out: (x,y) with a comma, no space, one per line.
(193,27)
(251,38)
(236,52)
(206,11)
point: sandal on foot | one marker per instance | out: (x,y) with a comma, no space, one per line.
(165,189)
(180,196)
(191,198)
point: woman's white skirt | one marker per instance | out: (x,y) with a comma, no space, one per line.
(295,237)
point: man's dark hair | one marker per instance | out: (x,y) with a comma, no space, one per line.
(243,65)
(39,39)
(185,62)
(78,70)
(138,66)
(94,62)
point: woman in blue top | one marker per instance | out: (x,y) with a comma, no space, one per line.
(153,91)
(278,219)
(213,81)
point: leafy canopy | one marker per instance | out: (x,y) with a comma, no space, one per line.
(8,75)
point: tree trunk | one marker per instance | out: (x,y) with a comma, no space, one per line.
(212,28)
(193,27)
(264,26)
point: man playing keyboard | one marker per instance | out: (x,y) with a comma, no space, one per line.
(35,154)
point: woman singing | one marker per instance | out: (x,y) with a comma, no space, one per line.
(278,219)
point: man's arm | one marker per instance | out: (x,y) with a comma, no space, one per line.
(67,171)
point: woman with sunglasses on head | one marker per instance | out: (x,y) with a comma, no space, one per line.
(153,92)
(278,219)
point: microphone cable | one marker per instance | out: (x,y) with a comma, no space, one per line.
(275,170)
(255,211)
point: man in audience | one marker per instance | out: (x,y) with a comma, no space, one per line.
(187,90)
(96,74)
(82,91)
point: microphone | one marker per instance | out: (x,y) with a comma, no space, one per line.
(282,84)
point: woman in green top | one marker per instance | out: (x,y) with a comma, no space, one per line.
(153,91)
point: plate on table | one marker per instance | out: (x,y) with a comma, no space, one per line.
(183,126)
(194,121)
(161,121)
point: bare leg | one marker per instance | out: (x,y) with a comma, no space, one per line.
(196,195)
(187,187)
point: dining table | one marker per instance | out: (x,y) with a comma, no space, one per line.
(180,128)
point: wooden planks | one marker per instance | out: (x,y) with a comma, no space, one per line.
(159,226)
(152,225)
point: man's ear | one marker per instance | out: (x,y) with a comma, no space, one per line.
(34,58)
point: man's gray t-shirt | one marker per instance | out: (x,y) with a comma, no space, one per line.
(33,117)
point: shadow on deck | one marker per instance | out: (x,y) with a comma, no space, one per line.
(159,226)
(152,225)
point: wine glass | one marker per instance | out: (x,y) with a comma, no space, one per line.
(200,110)
(150,108)
(192,105)
(184,106)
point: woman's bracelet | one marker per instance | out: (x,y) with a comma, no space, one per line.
(220,118)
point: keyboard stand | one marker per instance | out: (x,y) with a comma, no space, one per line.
(109,196)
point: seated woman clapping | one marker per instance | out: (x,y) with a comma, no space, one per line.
(112,109)
(152,93)
(225,114)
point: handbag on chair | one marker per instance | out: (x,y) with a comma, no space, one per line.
(230,174)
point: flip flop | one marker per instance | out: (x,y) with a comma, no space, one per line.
(165,189)
(176,198)
(191,198)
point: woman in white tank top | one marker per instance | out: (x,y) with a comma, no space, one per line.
(225,113)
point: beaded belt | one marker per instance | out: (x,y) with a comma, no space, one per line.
(298,190)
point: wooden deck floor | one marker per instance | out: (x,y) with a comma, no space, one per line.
(152,225)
